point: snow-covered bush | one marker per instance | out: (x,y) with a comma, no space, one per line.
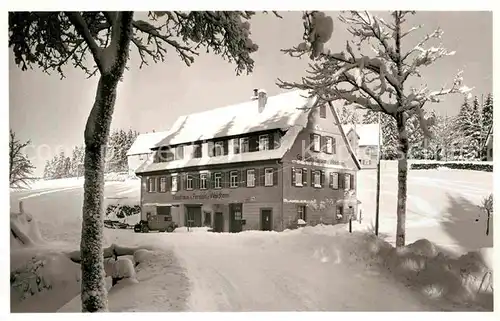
(454,165)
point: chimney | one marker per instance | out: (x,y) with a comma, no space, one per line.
(255,94)
(262,99)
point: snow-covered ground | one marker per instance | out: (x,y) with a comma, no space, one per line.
(320,268)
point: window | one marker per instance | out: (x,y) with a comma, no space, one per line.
(218,180)
(340,212)
(316,142)
(174,183)
(334,180)
(317,178)
(301,211)
(347,181)
(236,145)
(322,111)
(298,177)
(367,161)
(179,152)
(268,179)
(218,148)
(234,179)
(203,181)
(208,219)
(197,151)
(152,184)
(329,145)
(263,142)
(189,182)
(244,145)
(164,210)
(166,155)
(250,177)
(163,184)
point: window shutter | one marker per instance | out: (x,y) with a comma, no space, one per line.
(271,140)
(352,181)
(168,184)
(330,182)
(322,141)
(334,146)
(210,183)
(181,152)
(304,176)
(222,180)
(293,176)
(253,143)
(311,142)
(341,180)
(196,181)
(256,176)
(275,176)
(243,177)
(262,176)
(158,183)
(225,146)
(210,149)
(322,179)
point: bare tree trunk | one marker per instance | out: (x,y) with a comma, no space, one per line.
(403,145)
(402,179)
(488,224)
(93,284)
(94,296)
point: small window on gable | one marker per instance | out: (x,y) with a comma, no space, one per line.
(322,111)
(268,179)
(298,177)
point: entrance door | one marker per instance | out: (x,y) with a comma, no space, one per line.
(193,216)
(219,222)
(235,216)
(266,219)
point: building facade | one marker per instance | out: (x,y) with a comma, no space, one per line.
(489,145)
(364,139)
(261,165)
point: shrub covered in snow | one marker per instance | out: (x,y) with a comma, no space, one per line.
(454,165)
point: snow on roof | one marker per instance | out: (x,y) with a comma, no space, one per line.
(367,133)
(144,142)
(286,143)
(281,111)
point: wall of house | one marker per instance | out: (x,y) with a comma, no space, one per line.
(300,156)
(252,198)
(368,157)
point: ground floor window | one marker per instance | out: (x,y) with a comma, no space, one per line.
(340,212)
(301,212)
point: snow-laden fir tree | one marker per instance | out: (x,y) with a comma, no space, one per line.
(348,115)
(444,137)
(51,40)
(20,166)
(389,148)
(487,121)
(469,130)
(377,81)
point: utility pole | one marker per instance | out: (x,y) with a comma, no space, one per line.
(377,208)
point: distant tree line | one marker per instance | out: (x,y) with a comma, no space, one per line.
(460,137)
(63,166)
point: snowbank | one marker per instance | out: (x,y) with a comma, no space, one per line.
(420,265)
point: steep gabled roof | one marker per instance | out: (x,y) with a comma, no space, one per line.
(281,111)
(144,142)
(367,133)
(284,111)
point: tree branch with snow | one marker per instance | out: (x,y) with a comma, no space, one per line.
(374,82)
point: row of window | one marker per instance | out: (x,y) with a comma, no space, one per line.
(326,144)
(214,180)
(302,212)
(221,147)
(318,179)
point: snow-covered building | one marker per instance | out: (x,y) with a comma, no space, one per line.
(489,145)
(262,164)
(140,151)
(364,139)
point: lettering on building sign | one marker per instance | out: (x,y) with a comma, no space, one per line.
(319,160)
(205,196)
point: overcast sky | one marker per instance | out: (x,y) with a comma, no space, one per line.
(53,112)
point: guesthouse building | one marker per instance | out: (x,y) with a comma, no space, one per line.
(259,165)
(365,140)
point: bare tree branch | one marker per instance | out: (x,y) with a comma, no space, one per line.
(83,30)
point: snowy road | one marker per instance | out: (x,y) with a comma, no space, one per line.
(268,271)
